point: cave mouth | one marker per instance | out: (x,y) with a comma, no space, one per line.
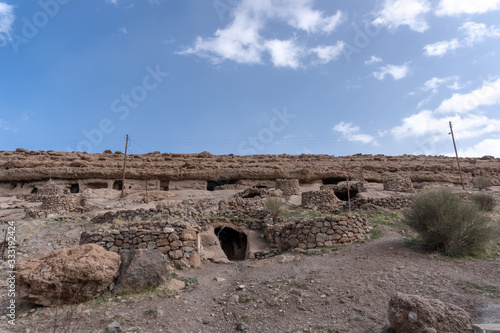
(118,185)
(74,188)
(212,184)
(333,181)
(343,195)
(232,242)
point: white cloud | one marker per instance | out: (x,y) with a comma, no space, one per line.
(284,53)
(6,126)
(474,33)
(403,12)
(441,48)
(397,72)
(488,94)
(486,147)
(434,83)
(457,7)
(351,133)
(329,53)
(242,40)
(6,22)
(478,32)
(373,60)
(426,123)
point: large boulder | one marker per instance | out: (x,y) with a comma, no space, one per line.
(69,275)
(141,269)
(415,314)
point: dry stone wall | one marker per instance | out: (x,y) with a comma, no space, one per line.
(178,240)
(324,201)
(317,232)
(288,186)
(398,183)
(394,202)
(55,201)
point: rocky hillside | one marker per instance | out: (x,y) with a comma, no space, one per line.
(24,165)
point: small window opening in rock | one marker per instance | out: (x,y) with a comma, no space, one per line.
(97,185)
(232,242)
(164,184)
(261,186)
(344,196)
(117,185)
(74,188)
(333,181)
(13,186)
(35,190)
(212,184)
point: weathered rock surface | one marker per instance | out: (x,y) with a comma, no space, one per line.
(415,314)
(24,165)
(70,275)
(141,269)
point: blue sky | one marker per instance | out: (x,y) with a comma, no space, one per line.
(251,76)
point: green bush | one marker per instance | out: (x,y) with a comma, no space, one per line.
(449,224)
(481,182)
(273,206)
(484,201)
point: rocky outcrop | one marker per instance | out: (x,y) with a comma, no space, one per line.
(24,165)
(412,314)
(66,276)
(141,269)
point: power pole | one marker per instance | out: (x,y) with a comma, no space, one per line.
(124,165)
(456,154)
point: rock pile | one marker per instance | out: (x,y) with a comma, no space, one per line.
(178,240)
(324,201)
(317,232)
(55,201)
(411,313)
(288,186)
(398,183)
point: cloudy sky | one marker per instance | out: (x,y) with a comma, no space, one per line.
(251,76)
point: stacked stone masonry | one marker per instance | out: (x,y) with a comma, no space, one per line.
(318,232)
(54,201)
(398,183)
(324,201)
(288,186)
(394,202)
(177,240)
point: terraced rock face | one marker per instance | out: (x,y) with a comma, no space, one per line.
(27,166)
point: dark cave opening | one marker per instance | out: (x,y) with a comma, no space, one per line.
(232,242)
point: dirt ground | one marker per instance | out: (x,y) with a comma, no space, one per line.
(337,289)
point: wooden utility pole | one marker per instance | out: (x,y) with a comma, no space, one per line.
(456,154)
(124,165)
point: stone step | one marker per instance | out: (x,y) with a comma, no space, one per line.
(486,328)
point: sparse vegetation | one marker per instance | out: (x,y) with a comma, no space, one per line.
(481,182)
(484,201)
(274,207)
(449,224)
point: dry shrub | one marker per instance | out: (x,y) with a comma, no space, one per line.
(484,201)
(448,224)
(274,207)
(481,182)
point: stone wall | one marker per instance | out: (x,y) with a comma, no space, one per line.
(288,186)
(177,240)
(317,232)
(394,202)
(324,201)
(55,200)
(398,183)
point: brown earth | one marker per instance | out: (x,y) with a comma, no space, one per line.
(339,289)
